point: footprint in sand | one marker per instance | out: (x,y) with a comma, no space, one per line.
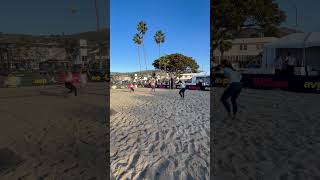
(161,168)
(150,148)
(156,136)
(133,159)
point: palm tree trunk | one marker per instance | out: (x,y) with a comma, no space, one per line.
(221,57)
(159,59)
(159,50)
(139,58)
(144,55)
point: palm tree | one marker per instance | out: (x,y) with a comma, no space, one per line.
(222,43)
(137,39)
(159,38)
(224,46)
(142,29)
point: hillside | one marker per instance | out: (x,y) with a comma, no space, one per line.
(137,72)
(92,36)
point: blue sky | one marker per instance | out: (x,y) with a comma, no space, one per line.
(51,16)
(308,14)
(186,25)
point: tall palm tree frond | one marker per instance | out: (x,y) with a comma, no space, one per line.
(137,39)
(159,37)
(142,27)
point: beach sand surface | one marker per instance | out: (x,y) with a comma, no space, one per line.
(276,136)
(158,135)
(47,135)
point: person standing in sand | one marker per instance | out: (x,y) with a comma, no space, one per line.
(131,86)
(83,78)
(182,89)
(69,85)
(233,89)
(278,65)
(153,85)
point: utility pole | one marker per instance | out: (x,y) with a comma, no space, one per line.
(296,18)
(296,14)
(98,31)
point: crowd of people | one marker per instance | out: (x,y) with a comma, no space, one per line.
(285,65)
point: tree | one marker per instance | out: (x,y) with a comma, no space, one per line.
(222,43)
(229,18)
(159,38)
(142,29)
(176,64)
(71,46)
(137,39)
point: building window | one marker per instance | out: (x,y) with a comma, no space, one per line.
(243,47)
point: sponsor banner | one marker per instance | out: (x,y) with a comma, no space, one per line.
(13,81)
(28,81)
(312,85)
(39,82)
(98,78)
(259,81)
(196,87)
(193,87)
(162,86)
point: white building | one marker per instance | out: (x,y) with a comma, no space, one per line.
(243,50)
(186,76)
(82,58)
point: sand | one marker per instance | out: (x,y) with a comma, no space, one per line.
(45,135)
(277,136)
(157,135)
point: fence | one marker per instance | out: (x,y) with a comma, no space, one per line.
(25,80)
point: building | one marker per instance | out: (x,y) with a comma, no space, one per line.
(244,51)
(100,59)
(28,56)
(186,76)
(82,57)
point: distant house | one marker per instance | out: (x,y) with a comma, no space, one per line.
(244,50)
(29,55)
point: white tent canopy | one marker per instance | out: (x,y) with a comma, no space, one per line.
(300,41)
(296,40)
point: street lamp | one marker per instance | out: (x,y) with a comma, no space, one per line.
(296,12)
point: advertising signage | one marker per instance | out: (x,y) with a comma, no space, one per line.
(259,81)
